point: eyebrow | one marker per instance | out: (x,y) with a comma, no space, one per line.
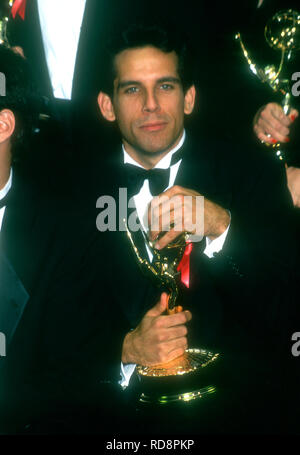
(124,84)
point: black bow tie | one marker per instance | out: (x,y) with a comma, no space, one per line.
(158,178)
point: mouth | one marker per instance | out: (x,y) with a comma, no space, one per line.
(154,126)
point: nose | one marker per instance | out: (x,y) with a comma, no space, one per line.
(151,103)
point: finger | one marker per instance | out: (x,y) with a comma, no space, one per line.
(176,190)
(278,115)
(168,238)
(160,307)
(167,222)
(161,222)
(174,320)
(275,128)
(154,213)
(175,348)
(179,331)
(293,115)
(269,134)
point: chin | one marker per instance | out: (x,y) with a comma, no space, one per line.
(154,146)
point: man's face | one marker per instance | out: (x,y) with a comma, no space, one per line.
(148,102)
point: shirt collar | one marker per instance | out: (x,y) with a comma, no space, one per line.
(7,187)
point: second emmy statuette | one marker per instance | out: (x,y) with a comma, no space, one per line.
(282,33)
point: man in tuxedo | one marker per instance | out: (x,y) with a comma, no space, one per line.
(51,307)
(149,90)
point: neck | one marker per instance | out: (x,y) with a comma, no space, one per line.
(146,160)
(5,164)
(149,159)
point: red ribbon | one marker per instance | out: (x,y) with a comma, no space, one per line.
(18,8)
(184,265)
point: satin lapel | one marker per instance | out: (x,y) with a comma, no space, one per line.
(13,298)
(130,287)
(15,258)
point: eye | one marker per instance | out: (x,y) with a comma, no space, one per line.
(131,90)
(166,87)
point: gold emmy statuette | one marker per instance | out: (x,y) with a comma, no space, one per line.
(282,33)
(4,14)
(166,380)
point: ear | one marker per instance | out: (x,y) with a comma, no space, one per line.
(106,107)
(189,100)
(7,124)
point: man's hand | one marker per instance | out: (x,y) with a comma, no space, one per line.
(271,125)
(185,210)
(158,338)
(293,177)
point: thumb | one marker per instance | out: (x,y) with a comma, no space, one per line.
(160,307)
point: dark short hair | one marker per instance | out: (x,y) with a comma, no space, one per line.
(164,37)
(20,97)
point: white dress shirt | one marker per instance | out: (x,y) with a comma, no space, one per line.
(141,200)
(61,22)
(3,193)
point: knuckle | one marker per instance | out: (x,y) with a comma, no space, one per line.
(260,121)
(180,351)
(161,337)
(176,188)
(158,323)
(273,106)
(184,343)
(263,115)
(161,355)
(184,331)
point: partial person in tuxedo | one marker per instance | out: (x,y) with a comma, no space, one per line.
(149,90)
(269,124)
(62,42)
(52,306)
(65,45)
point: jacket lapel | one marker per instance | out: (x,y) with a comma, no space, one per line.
(18,229)
(199,171)
(13,298)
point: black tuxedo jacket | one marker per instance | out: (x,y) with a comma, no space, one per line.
(239,299)
(252,187)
